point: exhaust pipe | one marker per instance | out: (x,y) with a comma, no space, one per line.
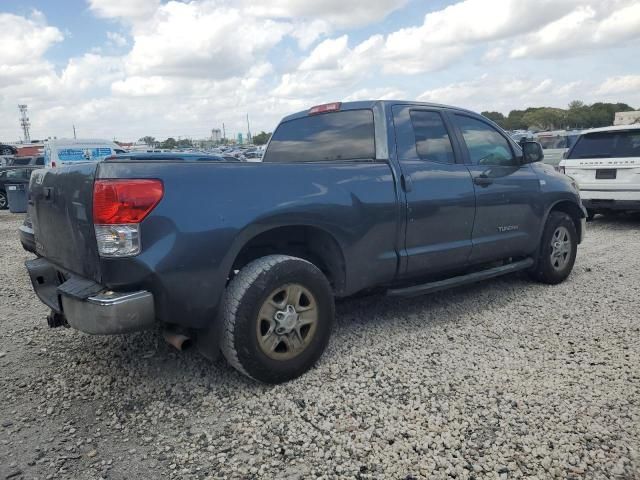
(177,340)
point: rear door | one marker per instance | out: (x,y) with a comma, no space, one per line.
(60,203)
(607,164)
(438,192)
(508,205)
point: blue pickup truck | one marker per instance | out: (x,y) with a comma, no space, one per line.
(396,197)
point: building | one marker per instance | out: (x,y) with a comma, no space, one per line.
(240,139)
(627,118)
(216,135)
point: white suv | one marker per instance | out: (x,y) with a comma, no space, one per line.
(605,163)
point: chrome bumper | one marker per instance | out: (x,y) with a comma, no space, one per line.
(88,306)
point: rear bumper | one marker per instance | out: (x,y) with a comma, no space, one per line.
(88,306)
(605,204)
(27,239)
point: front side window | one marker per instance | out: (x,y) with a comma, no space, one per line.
(432,140)
(614,144)
(339,136)
(485,144)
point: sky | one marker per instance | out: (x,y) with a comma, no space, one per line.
(124,69)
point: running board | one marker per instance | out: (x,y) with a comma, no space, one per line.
(431,287)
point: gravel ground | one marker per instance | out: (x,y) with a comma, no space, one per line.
(508,379)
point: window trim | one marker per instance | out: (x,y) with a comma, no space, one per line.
(373,159)
(447,128)
(463,143)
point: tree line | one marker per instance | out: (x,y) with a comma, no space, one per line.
(578,115)
(171,143)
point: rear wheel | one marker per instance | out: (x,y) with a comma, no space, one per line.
(278,314)
(3,201)
(558,249)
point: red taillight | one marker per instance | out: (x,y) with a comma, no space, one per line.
(53,163)
(327,107)
(124,201)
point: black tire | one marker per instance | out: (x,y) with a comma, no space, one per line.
(249,292)
(590,214)
(4,201)
(546,269)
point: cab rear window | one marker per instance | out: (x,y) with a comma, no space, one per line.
(339,136)
(607,145)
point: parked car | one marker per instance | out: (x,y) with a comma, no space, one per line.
(605,163)
(62,151)
(17,161)
(555,144)
(406,198)
(12,175)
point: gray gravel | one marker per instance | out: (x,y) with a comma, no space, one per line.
(508,379)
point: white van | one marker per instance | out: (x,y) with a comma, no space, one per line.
(605,163)
(59,151)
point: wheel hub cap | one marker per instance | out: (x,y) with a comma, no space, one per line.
(287,322)
(560,248)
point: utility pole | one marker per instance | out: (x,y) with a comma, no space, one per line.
(74,132)
(24,123)
(249,140)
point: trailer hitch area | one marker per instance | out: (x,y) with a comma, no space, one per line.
(57,319)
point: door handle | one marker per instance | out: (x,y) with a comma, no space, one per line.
(405,180)
(483,180)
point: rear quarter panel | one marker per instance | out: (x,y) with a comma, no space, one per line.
(210,210)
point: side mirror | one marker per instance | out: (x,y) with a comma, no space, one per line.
(531,152)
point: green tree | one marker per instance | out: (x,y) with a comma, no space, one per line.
(261,138)
(151,141)
(496,117)
(184,143)
(169,143)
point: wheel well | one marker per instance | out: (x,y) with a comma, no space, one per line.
(311,243)
(573,211)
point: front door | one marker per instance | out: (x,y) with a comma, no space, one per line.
(507,192)
(438,191)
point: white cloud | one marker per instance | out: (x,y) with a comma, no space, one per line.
(620,85)
(595,24)
(116,39)
(124,9)
(201,40)
(339,13)
(501,93)
(24,41)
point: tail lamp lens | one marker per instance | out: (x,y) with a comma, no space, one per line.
(118,208)
(124,201)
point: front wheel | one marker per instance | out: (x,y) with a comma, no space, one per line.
(278,313)
(558,249)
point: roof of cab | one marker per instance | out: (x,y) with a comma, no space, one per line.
(364,104)
(614,128)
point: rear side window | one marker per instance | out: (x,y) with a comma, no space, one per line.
(338,136)
(607,144)
(432,140)
(485,144)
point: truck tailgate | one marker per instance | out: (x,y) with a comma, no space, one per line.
(60,206)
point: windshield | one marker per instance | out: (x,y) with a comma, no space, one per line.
(607,144)
(83,154)
(555,141)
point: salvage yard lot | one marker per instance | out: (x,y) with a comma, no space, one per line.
(507,379)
